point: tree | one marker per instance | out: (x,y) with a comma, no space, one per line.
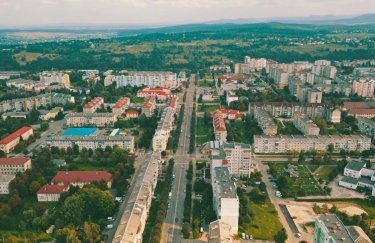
(91,232)
(44,126)
(281,236)
(34,115)
(34,187)
(59,116)
(186,229)
(67,234)
(14,201)
(331,148)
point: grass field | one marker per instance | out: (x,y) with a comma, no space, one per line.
(206,83)
(24,57)
(237,132)
(304,183)
(265,222)
(208,108)
(312,168)
(204,132)
(324,171)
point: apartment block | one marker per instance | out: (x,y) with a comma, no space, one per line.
(93,105)
(219,126)
(159,93)
(284,143)
(165,126)
(149,79)
(330,229)
(121,105)
(149,106)
(306,126)
(364,87)
(219,232)
(367,127)
(265,121)
(90,119)
(12,166)
(55,77)
(91,142)
(26,104)
(235,156)
(8,143)
(225,200)
(51,193)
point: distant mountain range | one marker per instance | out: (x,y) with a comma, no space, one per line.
(318,19)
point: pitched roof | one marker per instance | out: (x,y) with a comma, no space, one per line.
(361,111)
(14,161)
(68,177)
(51,189)
(15,135)
(122,102)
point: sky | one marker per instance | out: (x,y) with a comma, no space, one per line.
(167,12)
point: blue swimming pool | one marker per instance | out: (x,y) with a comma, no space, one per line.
(81,131)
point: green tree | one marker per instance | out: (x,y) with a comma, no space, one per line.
(34,115)
(91,232)
(44,126)
(34,187)
(67,234)
(281,236)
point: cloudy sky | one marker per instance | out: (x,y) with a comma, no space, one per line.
(154,12)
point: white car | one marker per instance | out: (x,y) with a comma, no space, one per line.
(110,226)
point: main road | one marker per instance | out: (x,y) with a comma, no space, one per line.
(173,222)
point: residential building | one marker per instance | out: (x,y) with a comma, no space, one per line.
(333,115)
(81,178)
(93,105)
(225,200)
(159,93)
(8,143)
(121,105)
(219,232)
(314,96)
(357,175)
(354,169)
(366,126)
(231,96)
(235,156)
(26,104)
(137,209)
(330,229)
(250,65)
(364,87)
(219,126)
(55,77)
(231,114)
(51,193)
(132,114)
(16,114)
(173,103)
(306,126)
(90,76)
(149,106)
(265,121)
(288,109)
(225,68)
(149,79)
(14,165)
(45,115)
(91,142)
(165,126)
(284,143)
(90,119)
(4,183)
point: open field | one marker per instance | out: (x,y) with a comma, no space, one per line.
(237,132)
(208,108)
(324,171)
(204,132)
(24,57)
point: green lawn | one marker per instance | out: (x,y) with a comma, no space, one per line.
(265,222)
(138,100)
(237,132)
(204,132)
(90,166)
(303,185)
(312,168)
(208,107)
(324,171)
(206,83)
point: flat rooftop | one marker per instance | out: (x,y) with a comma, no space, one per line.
(227,186)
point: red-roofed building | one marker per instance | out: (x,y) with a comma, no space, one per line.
(121,105)
(81,178)
(159,93)
(132,114)
(231,78)
(12,166)
(149,106)
(8,143)
(231,114)
(51,193)
(93,105)
(219,126)
(368,113)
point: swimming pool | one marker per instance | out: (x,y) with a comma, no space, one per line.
(81,131)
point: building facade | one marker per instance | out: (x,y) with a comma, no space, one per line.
(12,166)
(265,121)
(90,119)
(8,143)
(149,79)
(219,126)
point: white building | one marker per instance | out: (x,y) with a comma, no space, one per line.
(225,200)
(330,229)
(165,126)
(12,166)
(150,79)
(284,143)
(265,121)
(231,96)
(91,142)
(4,183)
(219,232)
(51,193)
(306,126)
(48,77)
(90,119)
(364,87)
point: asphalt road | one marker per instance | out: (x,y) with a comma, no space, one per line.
(173,221)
